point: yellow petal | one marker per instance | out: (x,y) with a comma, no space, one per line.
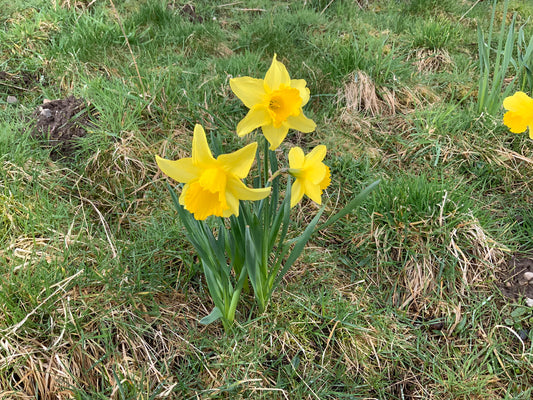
(327,179)
(519,102)
(256,117)
(249,90)
(316,155)
(297,192)
(515,121)
(277,75)
(180,170)
(201,154)
(240,191)
(300,84)
(313,192)
(275,135)
(301,123)
(233,204)
(315,173)
(239,162)
(296,157)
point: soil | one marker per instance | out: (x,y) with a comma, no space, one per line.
(512,281)
(60,123)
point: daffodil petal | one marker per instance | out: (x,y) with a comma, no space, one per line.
(249,90)
(233,204)
(301,84)
(519,102)
(297,192)
(182,196)
(316,173)
(256,117)
(201,154)
(275,135)
(300,123)
(181,170)
(515,122)
(277,75)
(296,157)
(313,192)
(239,162)
(316,155)
(242,192)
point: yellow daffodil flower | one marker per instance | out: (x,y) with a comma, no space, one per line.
(519,116)
(213,186)
(275,104)
(312,175)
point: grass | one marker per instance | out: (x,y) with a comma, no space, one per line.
(100,294)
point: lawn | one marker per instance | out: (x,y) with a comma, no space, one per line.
(417,294)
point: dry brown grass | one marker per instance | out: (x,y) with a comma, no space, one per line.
(411,249)
(143,346)
(430,61)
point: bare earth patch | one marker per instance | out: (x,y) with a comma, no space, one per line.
(59,123)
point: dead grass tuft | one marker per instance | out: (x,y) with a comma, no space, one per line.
(359,95)
(122,346)
(430,61)
(412,249)
(74,4)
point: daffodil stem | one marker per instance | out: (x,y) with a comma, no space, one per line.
(265,160)
(277,173)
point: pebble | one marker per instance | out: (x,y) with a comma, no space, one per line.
(45,112)
(12,100)
(529,302)
(528,276)
(508,284)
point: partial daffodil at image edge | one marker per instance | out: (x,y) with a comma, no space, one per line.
(213,186)
(312,175)
(275,104)
(519,116)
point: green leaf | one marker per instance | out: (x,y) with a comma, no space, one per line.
(213,316)
(298,247)
(355,202)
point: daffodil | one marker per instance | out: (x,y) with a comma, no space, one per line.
(213,186)
(275,104)
(519,116)
(312,175)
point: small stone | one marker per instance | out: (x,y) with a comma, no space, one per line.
(46,113)
(522,283)
(46,101)
(508,284)
(528,276)
(12,100)
(529,302)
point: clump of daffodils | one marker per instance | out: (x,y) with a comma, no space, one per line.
(248,243)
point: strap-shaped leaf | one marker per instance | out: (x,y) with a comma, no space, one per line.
(213,316)
(298,247)
(355,202)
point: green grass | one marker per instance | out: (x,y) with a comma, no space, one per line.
(100,293)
